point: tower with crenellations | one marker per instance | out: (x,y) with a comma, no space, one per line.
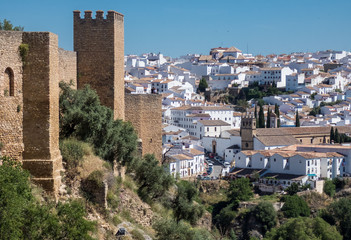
(99,43)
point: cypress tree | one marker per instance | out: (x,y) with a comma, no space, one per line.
(297,123)
(256,115)
(261,118)
(277,113)
(202,85)
(332,134)
(337,136)
(268,125)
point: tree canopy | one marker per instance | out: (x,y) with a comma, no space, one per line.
(339,213)
(265,213)
(84,118)
(297,120)
(304,229)
(184,207)
(23,217)
(240,190)
(295,206)
(203,85)
(152,178)
(7,26)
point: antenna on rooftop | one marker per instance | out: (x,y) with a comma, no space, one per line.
(247,48)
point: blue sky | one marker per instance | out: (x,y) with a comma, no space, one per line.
(194,26)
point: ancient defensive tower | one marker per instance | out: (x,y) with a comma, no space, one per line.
(99,43)
(247,130)
(29,104)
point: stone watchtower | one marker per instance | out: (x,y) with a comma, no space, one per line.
(247,130)
(99,44)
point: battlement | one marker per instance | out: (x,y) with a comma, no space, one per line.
(248,115)
(88,15)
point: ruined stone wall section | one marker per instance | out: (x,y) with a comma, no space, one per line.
(99,43)
(144,111)
(41,154)
(68,67)
(11,114)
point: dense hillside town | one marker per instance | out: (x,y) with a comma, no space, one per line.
(223,121)
(98,142)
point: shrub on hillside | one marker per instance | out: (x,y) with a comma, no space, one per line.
(304,228)
(265,214)
(295,206)
(184,207)
(339,213)
(72,152)
(329,188)
(153,180)
(22,217)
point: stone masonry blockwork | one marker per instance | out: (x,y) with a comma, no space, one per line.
(11,115)
(144,111)
(99,43)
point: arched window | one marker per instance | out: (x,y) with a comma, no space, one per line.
(9,84)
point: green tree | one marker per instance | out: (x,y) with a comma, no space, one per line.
(277,113)
(292,189)
(84,118)
(339,213)
(240,190)
(315,111)
(243,104)
(23,217)
(152,178)
(73,223)
(15,197)
(268,125)
(203,85)
(332,134)
(7,26)
(232,235)
(295,206)
(261,119)
(184,207)
(265,214)
(297,121)
(167,229)
(336,136)
(256,117)
(304,229)
(225,218)
(329,188)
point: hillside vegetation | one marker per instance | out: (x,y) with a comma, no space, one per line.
(107,185)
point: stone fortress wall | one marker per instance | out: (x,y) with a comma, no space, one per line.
(29,91)
(11,103)
(68,67)
(144,112)
(29,104)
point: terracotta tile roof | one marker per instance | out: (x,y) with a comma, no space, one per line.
(232,49)
(190,138)
(213,123)
(205,58)
(233,132)
(195,151)
(181,157)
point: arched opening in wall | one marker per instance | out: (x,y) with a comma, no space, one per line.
(9,83)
